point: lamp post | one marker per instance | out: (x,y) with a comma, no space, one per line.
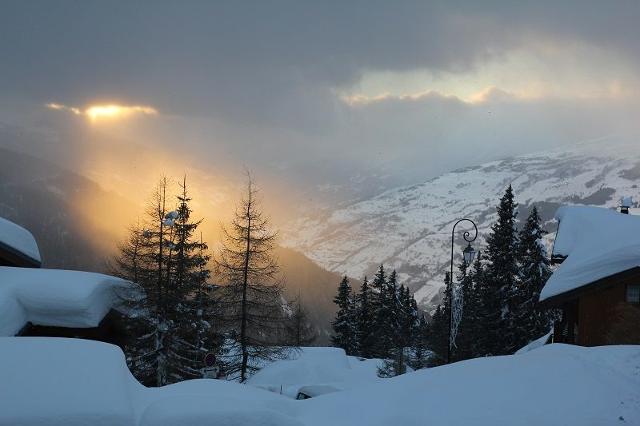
(468,255)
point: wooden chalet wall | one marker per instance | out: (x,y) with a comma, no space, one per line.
(111,330)
(590,312)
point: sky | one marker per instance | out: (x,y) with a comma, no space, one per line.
(324,101)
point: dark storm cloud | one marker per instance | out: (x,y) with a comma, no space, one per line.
(263,80)
(267,59)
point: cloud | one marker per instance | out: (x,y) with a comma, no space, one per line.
(267,60)
(295,88)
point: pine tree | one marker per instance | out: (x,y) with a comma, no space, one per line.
(344,325)
(299,330)
(474,323)
(251,300)
(531,321)
(438,328)
(365,322)
(420,353)
(499,280)
(384,299)
(143,259)
(392,318)
(191,308)
(170,325)
(468,330)
(134,263)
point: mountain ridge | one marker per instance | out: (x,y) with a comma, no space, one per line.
(409,228)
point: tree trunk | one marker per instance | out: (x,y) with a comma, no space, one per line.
(245,279)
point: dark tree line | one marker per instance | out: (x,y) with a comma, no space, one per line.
(500,291)
(381,321)
(177,315)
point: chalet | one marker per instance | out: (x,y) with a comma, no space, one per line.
(17,246)
(597,284)
(61,303)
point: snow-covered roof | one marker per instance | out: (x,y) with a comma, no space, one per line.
(17,239)
(597,243)
(55,297)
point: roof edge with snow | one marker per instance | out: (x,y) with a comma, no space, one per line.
(596,244)
(19,245)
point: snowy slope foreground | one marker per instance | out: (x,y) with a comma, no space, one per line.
(74,382)
(55,297)
(409,228)
(69,382)
(553,385)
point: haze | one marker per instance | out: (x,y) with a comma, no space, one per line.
(325,102)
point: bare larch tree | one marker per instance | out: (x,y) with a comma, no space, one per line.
(251,297)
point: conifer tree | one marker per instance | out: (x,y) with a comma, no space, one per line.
(394,328)
(171,319)
(378,287)
(499,280)
(299,330)
(344,325)
(438,328)
(191,308)
(387,315)
(531,321)
(420,353)
(365,322)
(143,259)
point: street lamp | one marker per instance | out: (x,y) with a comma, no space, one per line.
(468,255)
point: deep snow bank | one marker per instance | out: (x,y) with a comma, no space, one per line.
(69,382)
(553,385)
(49,381)
(64,382)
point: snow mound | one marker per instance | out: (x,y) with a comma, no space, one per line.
(315,366)
(54,381)
(55,297)
(597,242)
(68,382)
(17,238)
(555,384)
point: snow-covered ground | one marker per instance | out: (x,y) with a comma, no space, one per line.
(316,366)
(67,382)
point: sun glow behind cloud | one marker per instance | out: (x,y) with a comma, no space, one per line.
(106,111)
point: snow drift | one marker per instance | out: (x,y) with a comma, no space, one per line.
(315,366)
(76,382)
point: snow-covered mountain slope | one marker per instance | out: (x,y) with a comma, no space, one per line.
(409,228)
